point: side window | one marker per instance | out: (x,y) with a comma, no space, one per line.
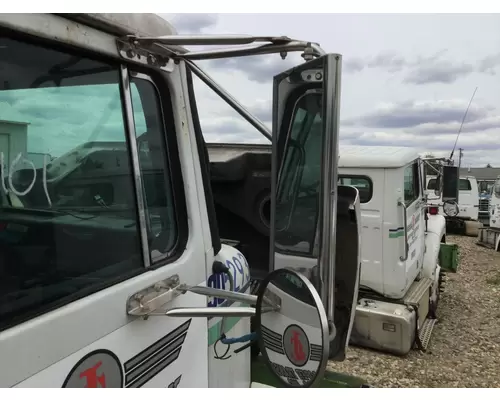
(362,183)
(68,221)
(155,169)
(464,184)
(431,185)
(411,184)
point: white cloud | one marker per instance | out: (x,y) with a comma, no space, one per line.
(407,78)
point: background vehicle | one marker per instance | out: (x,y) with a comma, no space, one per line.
(485,189)
(468,197)
(104,247)
(400,272)
(490,236)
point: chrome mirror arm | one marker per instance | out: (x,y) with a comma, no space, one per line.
(219,293)
(193,312)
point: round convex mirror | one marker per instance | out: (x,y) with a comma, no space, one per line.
(450,208)
(293,328)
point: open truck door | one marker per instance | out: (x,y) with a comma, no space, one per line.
(314,222)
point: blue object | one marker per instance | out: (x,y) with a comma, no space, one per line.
(246,338)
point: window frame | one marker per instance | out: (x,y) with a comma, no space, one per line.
(173,165)
(164,93)
(365,177)
(415,183)
(204,164)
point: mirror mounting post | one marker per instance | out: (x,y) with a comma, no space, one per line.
(330,156)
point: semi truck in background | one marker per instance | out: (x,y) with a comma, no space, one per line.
(489,236)
(401,235)
(485,188)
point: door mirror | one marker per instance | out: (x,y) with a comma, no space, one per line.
(292,328)
(450,183)
(307,206)
(450,208)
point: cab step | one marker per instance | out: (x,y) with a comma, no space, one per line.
(417,291)
(425,332)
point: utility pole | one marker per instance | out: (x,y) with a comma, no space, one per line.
(460,155)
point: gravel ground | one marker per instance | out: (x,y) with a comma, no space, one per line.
(465,346)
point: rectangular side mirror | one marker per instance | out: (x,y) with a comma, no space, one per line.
(305,213)
(450,183)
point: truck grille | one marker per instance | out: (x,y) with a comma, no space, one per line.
(484,205)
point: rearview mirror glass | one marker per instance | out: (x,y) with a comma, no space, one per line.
(450,208)
(450,183)
(292,328)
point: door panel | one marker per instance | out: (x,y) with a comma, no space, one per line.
(414,221)
(163,354)
(304,176)
(371,205)
(103,218)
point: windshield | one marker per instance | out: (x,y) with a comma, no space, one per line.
(463,184)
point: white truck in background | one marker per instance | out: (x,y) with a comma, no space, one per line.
(490,236)
(468,197)
(401,235)
(485,188)
(465,219)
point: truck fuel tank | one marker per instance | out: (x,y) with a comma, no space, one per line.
(384,326)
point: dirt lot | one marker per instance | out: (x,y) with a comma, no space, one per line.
(465,346)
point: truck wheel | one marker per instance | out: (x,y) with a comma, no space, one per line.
(262,213)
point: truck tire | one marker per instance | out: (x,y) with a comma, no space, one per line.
(262,213)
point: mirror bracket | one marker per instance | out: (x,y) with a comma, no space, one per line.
(205,312)
(219,293)
(146,301)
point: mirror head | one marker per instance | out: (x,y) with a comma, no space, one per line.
(449,179)
(450,208)
(292,328)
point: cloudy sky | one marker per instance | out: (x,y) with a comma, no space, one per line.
(407,79)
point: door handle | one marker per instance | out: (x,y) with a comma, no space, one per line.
(405,227)
(144,302)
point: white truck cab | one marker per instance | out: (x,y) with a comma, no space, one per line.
(490,236)
(495,205)
(400,272)
(112,269)
(401,236)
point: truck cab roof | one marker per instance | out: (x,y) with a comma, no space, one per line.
(350,156)
(376,156)
(120,24)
